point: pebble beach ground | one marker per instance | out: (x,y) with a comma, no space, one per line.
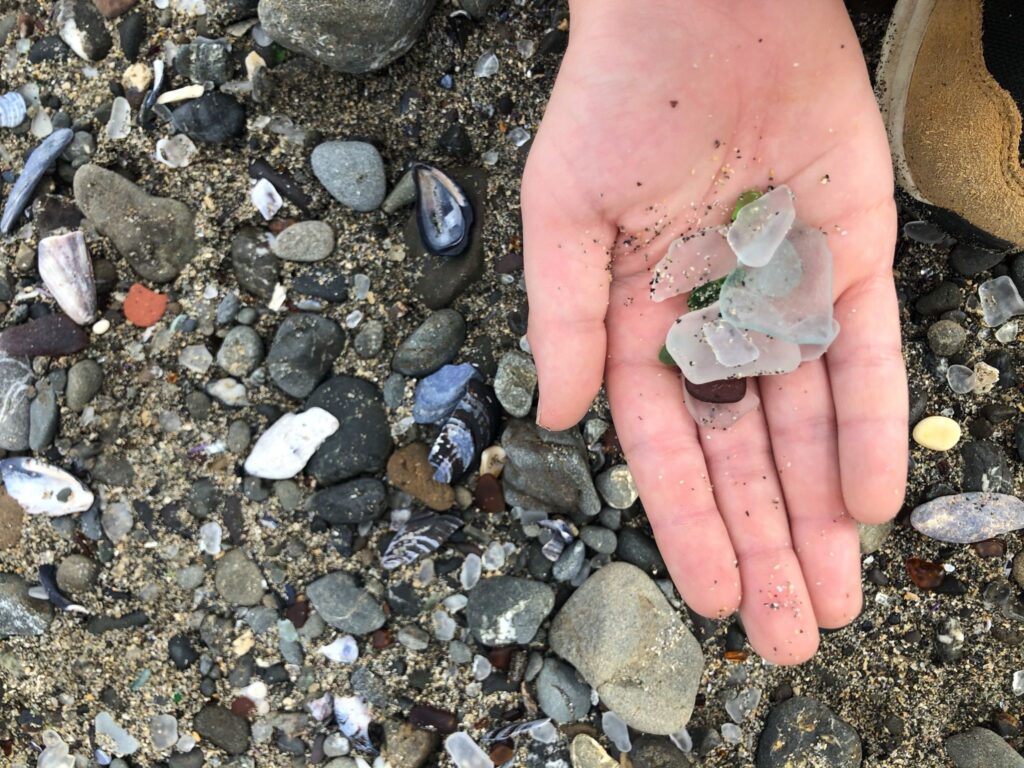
(200,614)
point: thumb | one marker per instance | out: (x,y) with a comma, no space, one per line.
(566,255)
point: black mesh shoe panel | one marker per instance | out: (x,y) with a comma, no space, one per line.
(1002,40)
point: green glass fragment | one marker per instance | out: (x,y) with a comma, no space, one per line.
(705,295)
(664,357)
(745,199)
(141,680)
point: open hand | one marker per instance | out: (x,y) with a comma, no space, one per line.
(662,114)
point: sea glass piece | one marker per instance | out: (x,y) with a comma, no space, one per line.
(732,347)
(790,297)
(691,261)
(961,379)
(720,415)
(762,226)
(696,358)
(810,352)
(969,517)
(1000,300)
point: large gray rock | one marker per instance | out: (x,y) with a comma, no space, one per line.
(155,234)
(981,748)
(622,635)
(508,610)
(345,605)
(804,733)
(349,35)
(19,613)
(547,470)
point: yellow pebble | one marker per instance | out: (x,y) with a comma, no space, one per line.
(937,433)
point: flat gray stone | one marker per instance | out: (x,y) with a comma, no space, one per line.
(19,613)
(222,728)
(85,379)
(561,692)
(982,748)
(238,580)
(515,383)
(804,733)
(435,342)
(353,172)
(968,517)
(872,537)
(345,605)
(508,610)
(622,635)
(306,241)
(15,380)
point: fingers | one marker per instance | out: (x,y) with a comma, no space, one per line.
(567,281)
(777,612)
(869,387)
(801,421)
(661,446)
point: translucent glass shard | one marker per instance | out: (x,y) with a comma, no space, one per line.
(961,379)
(1000,300)
(761,227)
(691,261)
(789,298)
(696,358)
(720,415)
(732,347)
(814,351)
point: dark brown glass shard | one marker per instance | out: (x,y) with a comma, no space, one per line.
(722,391)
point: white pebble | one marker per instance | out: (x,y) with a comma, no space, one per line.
(210,536)
(284,449)
(266,198)
(344,650)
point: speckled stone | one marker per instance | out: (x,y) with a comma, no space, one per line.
(803,733)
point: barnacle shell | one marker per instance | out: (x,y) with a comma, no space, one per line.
(43,489)
(35,167)
(66,269)
(443,212)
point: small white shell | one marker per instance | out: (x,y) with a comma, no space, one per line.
(266,198)
(283,450)
(43,489)
(12,110)
(66,269)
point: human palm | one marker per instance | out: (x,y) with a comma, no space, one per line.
(645,141)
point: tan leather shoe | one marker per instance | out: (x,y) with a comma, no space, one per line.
(951,87)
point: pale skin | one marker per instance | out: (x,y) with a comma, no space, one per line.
(663,112)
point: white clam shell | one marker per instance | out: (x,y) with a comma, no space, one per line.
(12,110)
(284,449)
(43,489)
(66,269)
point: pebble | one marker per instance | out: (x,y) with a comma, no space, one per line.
(255,266)
(287,446)
(241,352)
(944,297)
(303,351)
(111,9)
(306,241)
(569,562)
(409,470)
(354,36)
(625,639)
(982,748)
(508,610)
(53,335)
(601,540)
(183,655)
(656,752)
(222,728)
(803,732)
(986,468)
(350,503)
(143,307)
(937,433)
(163,731)
(872,537)
(15,381)
(370,339)
(117,520)
(946,338)
(968,517)
(435,342)
(561,693)
(362,443)
(238,580)
(515,383)
(204,61)
(85,380)
(196,358)
(77,574)
(546,470)
(588,753)
(19,613)
(214,118)
(617,487)
(112,737)
(328,285)
(81,27)
(345,605)
(352,172)
(155,234)
(971,260)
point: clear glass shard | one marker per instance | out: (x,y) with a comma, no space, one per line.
(695,357)
(1000,300)
(691,261)
(762,226)
(961,379)
(732,347)
(789,298)
(810,352)
(720,415)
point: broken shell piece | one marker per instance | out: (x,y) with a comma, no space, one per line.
(119,126)
(43,489)
(12,110)
(36,166)
(176,152)
(695,357)
(691,261)
(470,428)
(66,269)
(720,415)
(761,226)
(284,449)
(443,212)
(266,198)
(186,93)
(352,714)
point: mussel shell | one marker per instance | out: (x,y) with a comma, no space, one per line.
(443,212)
(421,534)
(470,429)
(66,269)
(43,489)
(35,168)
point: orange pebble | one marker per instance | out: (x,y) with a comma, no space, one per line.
(143,307)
